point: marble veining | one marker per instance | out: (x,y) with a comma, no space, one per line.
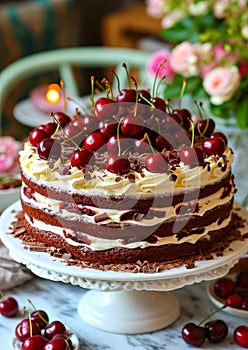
(61,302)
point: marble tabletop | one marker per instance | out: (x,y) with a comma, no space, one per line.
(60,300)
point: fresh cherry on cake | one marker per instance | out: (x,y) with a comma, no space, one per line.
(61,118)
(141,146)
(221,135)
(185,115)
(81,158)
(49,149)
(240,335)
(216,330)
(132,126)
(49,128)
(126,95)
(162,141)
(205,127)
(224,287)
(108,128)
(156,163)
(213,146)
(23,331)
(37,135)
(41,317)
(114,142)
(105,107)
(193,334)
(87,123)
(118,165)
(94,141)
(144,93)
(191,156)
(8,306)
(36,342)
(158,103)
(53,328)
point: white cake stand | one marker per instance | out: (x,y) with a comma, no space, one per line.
(123,302)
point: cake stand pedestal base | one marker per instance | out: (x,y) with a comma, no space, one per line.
(129,312)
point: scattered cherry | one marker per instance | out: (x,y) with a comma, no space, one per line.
(36,342)
(118,165)
(240,335)
(224,287)
(241,279)
(193,334)
(216,330)
(234,300)
(41,317)
(57,344)
(22,330)
(9,307)
(53,328)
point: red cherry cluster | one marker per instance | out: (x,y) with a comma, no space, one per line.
(37,333)
(234,293)
(8,306)
(134,122)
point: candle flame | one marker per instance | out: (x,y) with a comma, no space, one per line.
(53,93)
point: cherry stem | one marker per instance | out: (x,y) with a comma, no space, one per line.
(159,83)
(136,96)
(182,91)
(107,87)
(156,76)
(146,137)
(118,136)
(39,314)
(167,102)
(118,80)
(62,84)
(1,294)
(128,78)
(29,318)
(99,85)
(211,315)
(207,118)
(92,81)
(193,133)
(69,139)
(198,109)
(149,102)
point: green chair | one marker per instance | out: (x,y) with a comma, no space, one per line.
(64,60)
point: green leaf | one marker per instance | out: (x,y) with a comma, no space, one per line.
(241,114)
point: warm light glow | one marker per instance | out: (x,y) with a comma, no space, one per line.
(53,93)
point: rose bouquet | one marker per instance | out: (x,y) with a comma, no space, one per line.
(209,47)
(9,164)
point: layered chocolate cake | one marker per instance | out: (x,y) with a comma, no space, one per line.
(132,180)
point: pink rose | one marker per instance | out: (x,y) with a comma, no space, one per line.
(221,83)
(165,70)
(184,59)
(9,149)
(155,8)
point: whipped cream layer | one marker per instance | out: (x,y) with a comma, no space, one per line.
(96,243)
(153,217)
(105,182)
